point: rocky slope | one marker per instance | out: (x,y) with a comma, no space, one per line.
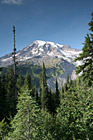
(58,59)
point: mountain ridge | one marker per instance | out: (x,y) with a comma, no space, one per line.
(58,59)
(42,48)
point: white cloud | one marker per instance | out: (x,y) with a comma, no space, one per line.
(16,2)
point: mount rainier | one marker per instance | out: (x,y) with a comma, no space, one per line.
(58,59)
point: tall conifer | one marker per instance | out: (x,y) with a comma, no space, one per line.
(20,82)
(25,122)
(28,83)
(57,95)
(87,57)
(43,88)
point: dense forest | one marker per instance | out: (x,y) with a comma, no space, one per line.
(27,113)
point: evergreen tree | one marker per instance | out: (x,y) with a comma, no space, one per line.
(3,101)
(65,87)
(62,93)
(44,89)
(4,129)
(29,86)
(67,120)
(28,83)
(20,82)
(86,109)
(11,99)
(30,122)
(47,124)
(57,95)
(68,81)
(25,123)
(74,116)
(37,97)
(51,102)
(7,96)
(87,57)
(91,26)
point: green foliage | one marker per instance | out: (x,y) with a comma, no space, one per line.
(87,57)
(11,100)
(43,88)
(30,122)
(28,83)
(20,82)
(25,123)
(72,121)
(0,70)
(49,116)
(7,96)
(57,96)
(86,107)
(53,69)
(68,81)
(46,125)
(74,116)
(4,129)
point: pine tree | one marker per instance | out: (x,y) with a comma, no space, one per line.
(74,116)
(28,83)
(0,71)
(36,94)
(25,122)
(86,108)
(87,57)
(67,120)
(20,82)
(7,96)
(4,129)
(51,103)
(3,101)
(68,81)
(57,95)
(43,89)
(10,95)
(47,124)
(91,26)
(30,123)
(62,93)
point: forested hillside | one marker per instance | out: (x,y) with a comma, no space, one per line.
(27,113)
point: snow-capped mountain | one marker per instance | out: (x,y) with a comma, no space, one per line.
(42,49)
(52,54)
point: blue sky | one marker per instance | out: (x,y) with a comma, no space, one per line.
(60,21)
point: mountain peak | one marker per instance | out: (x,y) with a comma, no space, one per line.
(42,49)
(59,59)
(40,42)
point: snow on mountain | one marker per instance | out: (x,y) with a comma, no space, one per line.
(42,49)
(58,58)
